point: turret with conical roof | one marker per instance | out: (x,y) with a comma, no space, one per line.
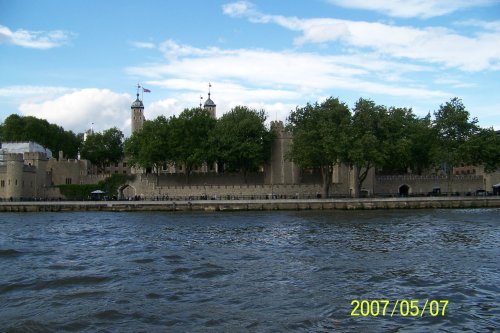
(137,113)
(209,104)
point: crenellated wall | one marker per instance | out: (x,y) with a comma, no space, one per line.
(147,188)
(422,185)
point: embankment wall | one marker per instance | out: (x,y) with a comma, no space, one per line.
(254,205)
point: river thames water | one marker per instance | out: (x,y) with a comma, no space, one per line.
(249,272)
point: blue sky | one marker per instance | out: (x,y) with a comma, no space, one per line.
(76,63)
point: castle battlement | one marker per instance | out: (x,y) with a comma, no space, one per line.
(14,157)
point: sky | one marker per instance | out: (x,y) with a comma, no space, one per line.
(77,63)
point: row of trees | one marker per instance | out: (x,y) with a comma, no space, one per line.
(392,140)
(389,139)
(238,141)
(52,136)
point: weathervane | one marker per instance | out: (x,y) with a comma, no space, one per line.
(138,87)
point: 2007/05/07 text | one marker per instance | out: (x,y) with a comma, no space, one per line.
(404,308)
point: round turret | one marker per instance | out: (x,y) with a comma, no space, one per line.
(15,166)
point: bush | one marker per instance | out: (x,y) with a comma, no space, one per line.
(109,185)
(78,191)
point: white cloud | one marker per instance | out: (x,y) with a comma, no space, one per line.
(486,25)
(164,107)
(143,45)
(34,39)
(413,8)
(277,76)
(32,93)
(432,45)
(79,109)
(454,82)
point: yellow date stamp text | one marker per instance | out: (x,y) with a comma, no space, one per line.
(399,307)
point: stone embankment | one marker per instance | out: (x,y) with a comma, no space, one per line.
(253,205)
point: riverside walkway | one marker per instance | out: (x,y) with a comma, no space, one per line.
(254,205)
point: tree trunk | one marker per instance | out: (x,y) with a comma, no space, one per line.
(449,173)
(360,178)
(326,173)
(245,175)
(188,172)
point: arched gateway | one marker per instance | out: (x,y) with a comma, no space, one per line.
(404,190)
(126,192)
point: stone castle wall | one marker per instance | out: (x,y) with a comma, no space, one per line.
(422,185)
(147,188)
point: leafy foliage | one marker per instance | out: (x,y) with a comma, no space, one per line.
(78,192)
(423,150)
(103,148)
(454,130)
(189,138)
(320,137)
(109,185)
(150,147)
(369,139)
(241,141)
(484,148)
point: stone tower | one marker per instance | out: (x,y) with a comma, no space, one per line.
(15,167)
(137,114)
(280,170)
(209,104)
(42,179)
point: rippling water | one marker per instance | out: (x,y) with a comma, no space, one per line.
(246,272)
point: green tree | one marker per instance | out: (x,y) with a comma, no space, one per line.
(423,144)
(13,128)
(395,135)
(368,139)
(483,148)
(149,148)
(103,148)
(408,141)
(189,138)
(454,129)
(320,137)
(240,140)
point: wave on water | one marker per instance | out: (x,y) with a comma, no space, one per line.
(29,326)
(10,253)
(54,283)
(71,280)
(255,272)
(110,315)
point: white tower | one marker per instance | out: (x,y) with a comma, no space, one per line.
(137,113)
(209,104)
